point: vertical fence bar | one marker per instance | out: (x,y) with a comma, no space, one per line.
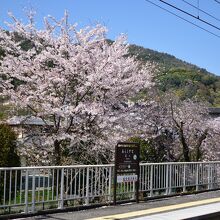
(15,191)
(10,182)
(79,181)
(151,180)
(197,177)
(48,184)
(52,185)
(83,182)
(21,186)
(26,192)
(110,184)
(39,186)
(4,197)
(43,186)
(71,183)
(208,177)
(75,178)
(87,186)
(167,179)
(67,182)
(33,192)
(184,178)
(211,175)
(170,179)
(62,189)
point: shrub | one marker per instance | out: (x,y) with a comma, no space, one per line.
(8,155)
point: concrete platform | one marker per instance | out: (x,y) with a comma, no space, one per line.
(209,212)
(180,207)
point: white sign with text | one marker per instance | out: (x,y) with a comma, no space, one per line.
(126,178)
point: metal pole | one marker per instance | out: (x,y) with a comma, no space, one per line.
(151,180)
(167,179)
(110,184)
(26,192)
(197,177)
(87,186)
(33,192)
(62,189)
(115,178)
(184,178)
(138,184)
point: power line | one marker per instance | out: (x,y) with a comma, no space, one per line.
(210,32)
(198,7)
(185,12)
(217,1)
(201,10)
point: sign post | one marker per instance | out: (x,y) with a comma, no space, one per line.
(127,159)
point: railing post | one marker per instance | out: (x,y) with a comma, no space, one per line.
(26,192)
(214,177)
(211,175)
(184,178)
(33,192)
(151,180)
(170,180)
(110,184)
(61,189)
(167,179)
(208,180)
(197,176)
(87,186)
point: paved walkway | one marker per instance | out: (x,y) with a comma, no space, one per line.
(152,210)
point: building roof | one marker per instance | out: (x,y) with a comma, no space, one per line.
(214,111)
(26,120)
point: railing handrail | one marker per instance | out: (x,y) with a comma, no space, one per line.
(171,163)
(101,165)
(55,167)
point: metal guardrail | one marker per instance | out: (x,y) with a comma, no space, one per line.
(30,189)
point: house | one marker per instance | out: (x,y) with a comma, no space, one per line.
(22,124)
(214,112)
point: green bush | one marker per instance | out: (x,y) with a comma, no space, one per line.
(8,158)
(150,151)
(8,155)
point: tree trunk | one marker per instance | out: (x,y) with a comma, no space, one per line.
(184,145)
(199,143)
(57,152)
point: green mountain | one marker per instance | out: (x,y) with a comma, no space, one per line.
(184,79)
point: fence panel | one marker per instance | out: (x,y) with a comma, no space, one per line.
(30,189)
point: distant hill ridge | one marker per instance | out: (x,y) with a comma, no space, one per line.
(166,60)
(184,79)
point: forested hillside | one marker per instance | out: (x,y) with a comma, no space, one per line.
(184,79)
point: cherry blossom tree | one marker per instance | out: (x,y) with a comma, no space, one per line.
(181,130)
(71,78)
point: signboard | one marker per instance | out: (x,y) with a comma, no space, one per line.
(127,178)
(127,159)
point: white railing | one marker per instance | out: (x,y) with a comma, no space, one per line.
(30,189)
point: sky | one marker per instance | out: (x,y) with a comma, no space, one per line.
(144,24)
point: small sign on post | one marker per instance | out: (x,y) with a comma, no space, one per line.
(127,159)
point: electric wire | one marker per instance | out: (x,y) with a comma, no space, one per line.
(210,15)
(185,12)
(204,29)
(198,7)
(217,1)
